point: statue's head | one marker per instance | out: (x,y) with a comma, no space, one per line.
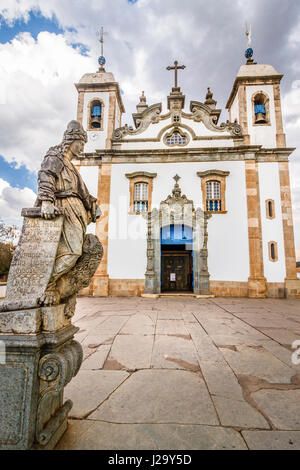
(73,133)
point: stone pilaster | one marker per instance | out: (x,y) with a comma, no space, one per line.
(256,282)
(292,283)
(280,136)
(243,118)
(101,278)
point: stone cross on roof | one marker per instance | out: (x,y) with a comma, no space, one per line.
(176,68)
(176,178)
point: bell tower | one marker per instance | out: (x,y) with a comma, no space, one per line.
(100,106)
(255,102)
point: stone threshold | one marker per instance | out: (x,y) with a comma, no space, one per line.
(177,294)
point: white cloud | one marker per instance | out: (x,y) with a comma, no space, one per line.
(12,200)
(39,77)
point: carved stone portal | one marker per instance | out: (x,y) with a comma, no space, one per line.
(177,210)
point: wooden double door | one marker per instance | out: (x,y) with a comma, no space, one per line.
(176,271)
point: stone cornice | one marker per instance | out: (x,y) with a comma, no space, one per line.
(263,80)
(254,152)
(106,86)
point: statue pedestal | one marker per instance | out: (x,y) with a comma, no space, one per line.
(38,358)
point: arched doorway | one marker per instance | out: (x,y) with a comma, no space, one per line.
(189,227)
(176,258)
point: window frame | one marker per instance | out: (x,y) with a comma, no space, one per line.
(270,217)
(140,177)
(220,177)
(273,260)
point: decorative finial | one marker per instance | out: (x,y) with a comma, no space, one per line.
(209,101)
(101,58)
(143,97)
(249,51)
(176,178)
(176,191)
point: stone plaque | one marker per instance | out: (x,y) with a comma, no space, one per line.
(33,262)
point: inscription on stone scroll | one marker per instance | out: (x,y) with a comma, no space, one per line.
(33,262)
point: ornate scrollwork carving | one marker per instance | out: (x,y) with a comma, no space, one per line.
(55,371)
(151,115)
(200,114)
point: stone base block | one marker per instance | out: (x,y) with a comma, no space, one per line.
(257,288)
(150,296)
(33,374)
(53,318)
(292,288)
(100,285)
(126,287)
(21,321)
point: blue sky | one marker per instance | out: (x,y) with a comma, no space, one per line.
(45,47)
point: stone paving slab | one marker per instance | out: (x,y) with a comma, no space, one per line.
(130,352)
(139,324)
(95,435)
(159,396)
(215,373)
(257,362)
(282,407)
(272,440)
(90,388)
(97,359)
(174,352)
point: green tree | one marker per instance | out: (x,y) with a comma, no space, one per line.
(9,235)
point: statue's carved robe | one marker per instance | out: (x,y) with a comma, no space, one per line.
(60,183)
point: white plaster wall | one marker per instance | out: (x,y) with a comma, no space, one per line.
(272,230)
(228,233)
(261,135)
(235,109)
(97,142)
(90,177)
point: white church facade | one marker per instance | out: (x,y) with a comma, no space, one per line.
(190,205)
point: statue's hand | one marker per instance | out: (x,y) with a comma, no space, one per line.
(48,210)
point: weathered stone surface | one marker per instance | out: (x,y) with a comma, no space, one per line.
(258,362)
(21,321)
(238,413)
(272,440)
(53,318)
(94,435)
(32,263)
(139,325)
(112,324)
(97,359)
(172,396)
(166,327)
(90,388)
(281,406)
(132,352)
(174,352)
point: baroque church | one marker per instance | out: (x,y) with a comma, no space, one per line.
(190,205)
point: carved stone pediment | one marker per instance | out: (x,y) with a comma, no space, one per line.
(203,113)
(176,199)
(151,115)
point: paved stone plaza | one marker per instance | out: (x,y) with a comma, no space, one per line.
(182,373)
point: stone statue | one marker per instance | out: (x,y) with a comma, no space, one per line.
(61,190)
(55,259)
